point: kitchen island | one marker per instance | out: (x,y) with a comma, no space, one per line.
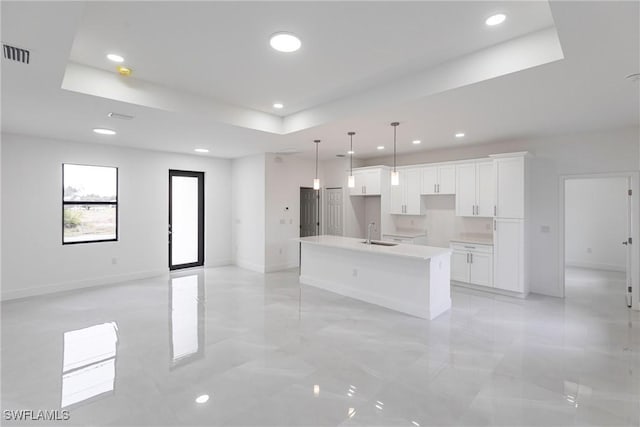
(412,279)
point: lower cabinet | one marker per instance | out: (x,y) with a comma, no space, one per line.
(472,263)
(508,238)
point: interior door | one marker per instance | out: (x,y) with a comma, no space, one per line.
(309,214)
(333,216)
(186,219)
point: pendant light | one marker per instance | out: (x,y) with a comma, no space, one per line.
(351,182)
(395,178)
(316,180)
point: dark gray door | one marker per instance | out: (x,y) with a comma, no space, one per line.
(309,212)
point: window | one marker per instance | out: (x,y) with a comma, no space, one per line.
(89,204)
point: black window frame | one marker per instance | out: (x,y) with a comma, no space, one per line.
(94,203)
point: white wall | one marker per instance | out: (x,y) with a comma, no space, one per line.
(596,223)
(285,174)
(33,257)
(595,152)
(248,212)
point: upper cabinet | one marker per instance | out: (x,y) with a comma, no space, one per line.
(405,198)
(510,186)
(439,179)
(474,189)
(368,182)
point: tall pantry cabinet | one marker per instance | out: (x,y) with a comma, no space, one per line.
(510,270)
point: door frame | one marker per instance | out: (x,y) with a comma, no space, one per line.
(200,177)
(634,180)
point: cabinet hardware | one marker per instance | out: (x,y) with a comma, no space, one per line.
(437,188)
(434,188)
(495,210)
(470,247)
(471,258)
(467,257)
(494,224)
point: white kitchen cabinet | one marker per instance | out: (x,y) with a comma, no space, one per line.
(367,182)
(472,263)
(405,197)
(474,183)
(509,250)
(439,180)
(509,178)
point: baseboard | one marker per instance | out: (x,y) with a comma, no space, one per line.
(218,263)
(489,290)
(258,268)
(280,267)
(596,266)
(79,284)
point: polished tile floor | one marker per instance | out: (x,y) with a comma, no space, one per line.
(230,347)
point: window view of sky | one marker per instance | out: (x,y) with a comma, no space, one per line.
(81,181)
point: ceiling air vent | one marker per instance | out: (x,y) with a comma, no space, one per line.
(15,53)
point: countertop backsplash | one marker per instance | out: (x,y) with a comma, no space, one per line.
(440,222)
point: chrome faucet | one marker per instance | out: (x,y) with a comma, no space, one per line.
(371,224)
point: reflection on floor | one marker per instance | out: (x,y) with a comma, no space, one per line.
(273,353)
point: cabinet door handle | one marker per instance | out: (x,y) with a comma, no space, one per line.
(434,188)
(495,210)
(471,258)
(494,224)
(467,257)
(438,188)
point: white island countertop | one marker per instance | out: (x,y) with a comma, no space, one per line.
(400,249)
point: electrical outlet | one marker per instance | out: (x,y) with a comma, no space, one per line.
(114,261)
(282,221)
(355,272)
(280,251)
(545,229)
(589,250)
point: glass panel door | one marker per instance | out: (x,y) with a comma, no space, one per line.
(186,219)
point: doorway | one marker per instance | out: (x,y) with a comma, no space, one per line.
(309,212)
(333,211)
(186,219)
(597,237)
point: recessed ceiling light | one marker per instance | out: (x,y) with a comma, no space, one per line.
(351,152)
(460,135)
(115,58)
(496,19)
(380,147)
(416,141)
(285,42)
(103,131)
(201,150)
(278,105)
(202,399)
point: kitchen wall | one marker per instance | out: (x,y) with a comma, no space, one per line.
(580,153)
(33,258)
(596,223)
(248,180)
